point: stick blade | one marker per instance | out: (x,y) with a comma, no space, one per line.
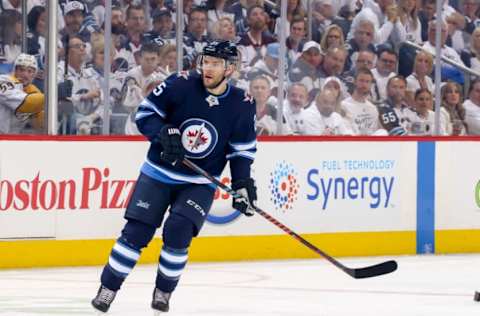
(375,270)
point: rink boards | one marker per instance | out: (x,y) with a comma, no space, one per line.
(62,199)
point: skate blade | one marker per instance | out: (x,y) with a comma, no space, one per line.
(158,313)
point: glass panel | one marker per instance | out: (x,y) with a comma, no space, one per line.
(22,52)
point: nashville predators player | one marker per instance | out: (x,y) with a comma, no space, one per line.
(21,102)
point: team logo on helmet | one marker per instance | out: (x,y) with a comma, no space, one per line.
(199,137)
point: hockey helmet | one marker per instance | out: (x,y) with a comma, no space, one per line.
(222,49)
(26,60)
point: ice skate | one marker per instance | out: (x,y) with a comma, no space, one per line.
(160,301)
(104,298)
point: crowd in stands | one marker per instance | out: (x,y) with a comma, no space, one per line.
(353,75)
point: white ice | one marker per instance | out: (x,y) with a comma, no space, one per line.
(422,286)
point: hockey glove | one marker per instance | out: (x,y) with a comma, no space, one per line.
(171,141)
(248,200)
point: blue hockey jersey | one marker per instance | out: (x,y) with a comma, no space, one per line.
(214,128)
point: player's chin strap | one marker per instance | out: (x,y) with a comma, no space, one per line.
(357,273)
(219,83)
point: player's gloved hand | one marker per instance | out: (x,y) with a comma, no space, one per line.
(171,141)
(65,89)
(247,189)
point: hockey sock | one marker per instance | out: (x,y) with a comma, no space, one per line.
(177,235)
(125,253)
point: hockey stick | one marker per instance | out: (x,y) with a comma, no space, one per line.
(357,273)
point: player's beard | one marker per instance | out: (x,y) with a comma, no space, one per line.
(211,83)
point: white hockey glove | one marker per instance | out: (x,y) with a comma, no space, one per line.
(247,203)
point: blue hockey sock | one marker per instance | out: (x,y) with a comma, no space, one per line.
(170,268)
(177,236)
(125,253)
(120,263)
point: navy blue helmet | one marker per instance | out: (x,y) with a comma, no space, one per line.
(221,49)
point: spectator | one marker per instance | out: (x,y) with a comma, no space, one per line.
(363,59)
(37,29)
(294,9)
(386,69)
(384,16)
(332,37)
(296,40)
(162,27)
(15,5)
(187,10)
(123,54)
(472,109)
(118,19)
(362,40)
(216,11)
(322,119)
(224,29)
(306,67)
(136,26)
(97,67)
(333,63)
(239,9)
(396,100)
(426,13)
(150,82)
(253,44)
(456,23)
(97,11)
(337,85)
(196,37)
(420,77)
(408,15)
(135,81)
(323,16)
(471,56)
(168,60)
(294,108)
(266,112)
(425,121)
(448,72)
(267,67)
(76,22)
(471,11)
(361,113)
(86,95)
(452,100)
(10,34)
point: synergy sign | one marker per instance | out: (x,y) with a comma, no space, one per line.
(369,183)
(364,181)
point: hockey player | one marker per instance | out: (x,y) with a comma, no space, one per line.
(201,116)
(20,100)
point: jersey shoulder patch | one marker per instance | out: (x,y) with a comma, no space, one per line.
(185,74)
(248,98)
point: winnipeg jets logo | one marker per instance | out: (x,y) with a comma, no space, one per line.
(199,137)
(143,204)
(212,100)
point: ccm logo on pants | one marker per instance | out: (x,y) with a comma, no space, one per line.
(196,207)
